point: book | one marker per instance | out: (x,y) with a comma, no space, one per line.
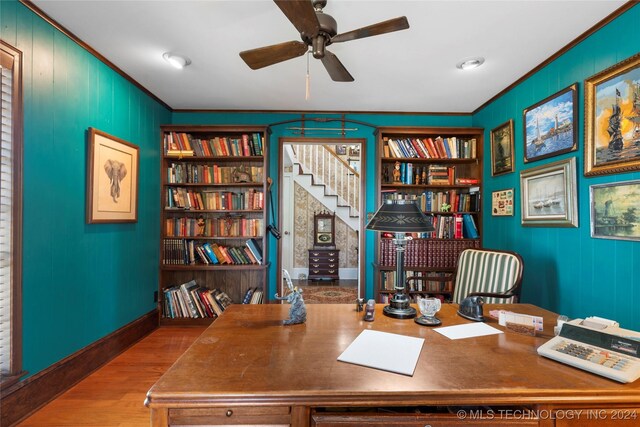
(470,230)
(210,253)
(254,247)
(247,296)
(186,289)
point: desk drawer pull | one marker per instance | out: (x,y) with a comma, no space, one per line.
(229,413)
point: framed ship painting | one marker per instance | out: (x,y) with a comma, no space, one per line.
(615,210)
(550,125)
(502,149)
(549,195)
(612,119)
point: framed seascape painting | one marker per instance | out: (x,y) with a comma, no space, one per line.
(549,195)
(549,125)
(615,210)
(112,179)
(502,202)
(612,119)
(502,149)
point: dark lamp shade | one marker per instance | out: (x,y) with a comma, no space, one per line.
(400,216)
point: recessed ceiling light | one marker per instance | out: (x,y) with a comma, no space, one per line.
(471,63)
(178,61)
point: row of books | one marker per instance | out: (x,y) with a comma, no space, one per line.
(433,201)
(181,143)
(426,252)
(190,300)
(412,174)
(228,226)
(182,198)
(190,252)
(430,281)
(253,296)
(183,173)
(428,148)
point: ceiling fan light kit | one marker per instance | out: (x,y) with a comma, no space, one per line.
(177,61)
(470,63)
(317,31)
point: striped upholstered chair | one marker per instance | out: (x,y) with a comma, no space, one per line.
(494,275)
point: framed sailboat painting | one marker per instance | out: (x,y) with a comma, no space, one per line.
(549,195)
(550,125)
(612,119)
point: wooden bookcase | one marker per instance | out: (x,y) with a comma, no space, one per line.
(447,169)
(215,196)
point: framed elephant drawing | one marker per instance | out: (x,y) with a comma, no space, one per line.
(112,179)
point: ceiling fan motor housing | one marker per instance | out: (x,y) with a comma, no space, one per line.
(328,29)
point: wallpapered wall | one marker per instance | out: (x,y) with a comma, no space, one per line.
(346,238)
(566,270)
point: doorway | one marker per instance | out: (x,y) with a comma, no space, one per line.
(321,176)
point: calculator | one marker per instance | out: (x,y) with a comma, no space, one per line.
(611,355)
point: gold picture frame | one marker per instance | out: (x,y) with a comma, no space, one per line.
(612,119)
(112,179)
(549,195)
(502,148)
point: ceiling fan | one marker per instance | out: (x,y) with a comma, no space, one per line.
(317,30)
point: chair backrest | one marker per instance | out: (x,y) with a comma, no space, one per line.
(488,271)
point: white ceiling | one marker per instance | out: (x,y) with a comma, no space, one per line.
(407,71)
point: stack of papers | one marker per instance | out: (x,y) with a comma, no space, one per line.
(382,350)
(468,330)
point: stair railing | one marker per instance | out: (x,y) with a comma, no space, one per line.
(329,169)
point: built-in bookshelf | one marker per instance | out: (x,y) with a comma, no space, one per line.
(442,169)
(213,245)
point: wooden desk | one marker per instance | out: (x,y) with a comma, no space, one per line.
(247,368)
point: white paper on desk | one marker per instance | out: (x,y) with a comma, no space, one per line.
(382,350)
(468,330)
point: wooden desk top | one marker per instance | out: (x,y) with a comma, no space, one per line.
(246,357)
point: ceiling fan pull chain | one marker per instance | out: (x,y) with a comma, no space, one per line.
(308,81)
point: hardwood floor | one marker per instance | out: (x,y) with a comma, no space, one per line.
(114,394)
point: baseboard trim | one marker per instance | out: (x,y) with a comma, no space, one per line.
(24,398)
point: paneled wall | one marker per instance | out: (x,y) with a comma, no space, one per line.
(80,281)
(566,270)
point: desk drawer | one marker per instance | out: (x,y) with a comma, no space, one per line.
(264,416)
(597,417)
(406,420)
(423,416)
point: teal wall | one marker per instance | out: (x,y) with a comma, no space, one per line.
(566,270)
(369,164)
(80,281)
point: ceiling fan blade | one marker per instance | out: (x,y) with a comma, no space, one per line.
(389,26)
(269,55)
(301,14)
(335,68)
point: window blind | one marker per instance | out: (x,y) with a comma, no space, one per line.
(6,220)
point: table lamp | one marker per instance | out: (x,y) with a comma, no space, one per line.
(400,216)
